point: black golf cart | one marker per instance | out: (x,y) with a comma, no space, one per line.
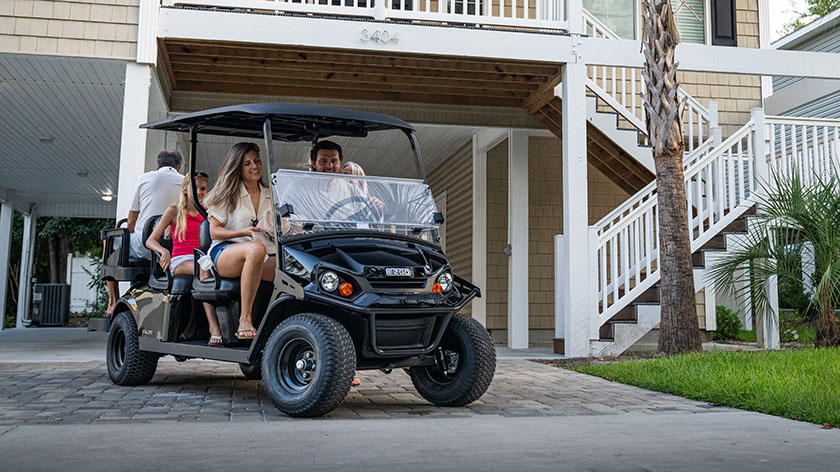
(361,281)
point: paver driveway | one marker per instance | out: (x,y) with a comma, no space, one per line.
(74,393)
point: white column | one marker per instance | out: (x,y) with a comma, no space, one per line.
(764,43)
(576,273)
(6,214)
(26,260)
(574,13)
(479,230)
(518,239)
(133,139)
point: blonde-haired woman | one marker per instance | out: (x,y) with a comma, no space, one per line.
(234,206)
(183,221)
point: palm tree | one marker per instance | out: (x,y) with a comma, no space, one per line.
(794,218)
(679,328)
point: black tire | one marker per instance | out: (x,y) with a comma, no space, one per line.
(127,364)
(473,367)
(251,371)
(308,365)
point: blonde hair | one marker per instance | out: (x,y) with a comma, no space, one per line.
(226,191)
(355,169)
(181,207)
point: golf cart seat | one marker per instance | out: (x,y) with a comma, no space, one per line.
(117,263)
(159,279)
(215,288)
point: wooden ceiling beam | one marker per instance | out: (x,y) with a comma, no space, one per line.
(245,74)
(282,84)
(246,63)
(318,92)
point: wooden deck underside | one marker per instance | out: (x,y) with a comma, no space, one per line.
(219,67)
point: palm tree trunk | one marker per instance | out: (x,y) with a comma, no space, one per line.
(679,327)
(827,334)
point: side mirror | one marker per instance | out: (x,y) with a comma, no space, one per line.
(287,210)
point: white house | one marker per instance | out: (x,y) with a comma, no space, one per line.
(529,113)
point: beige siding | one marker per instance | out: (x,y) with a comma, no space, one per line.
(454,177)
(736,94)
(84,28)
(545,205)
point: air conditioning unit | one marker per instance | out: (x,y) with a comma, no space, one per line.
(50,304)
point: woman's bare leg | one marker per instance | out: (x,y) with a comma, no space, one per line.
(244,260)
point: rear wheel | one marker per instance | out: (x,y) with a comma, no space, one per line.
(127,364)
(466,362)
(308,365)
(251,371)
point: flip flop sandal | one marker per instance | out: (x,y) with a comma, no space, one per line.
(356,381)
(246,334)
(215,341)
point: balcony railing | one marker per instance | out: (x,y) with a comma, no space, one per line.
(529,14)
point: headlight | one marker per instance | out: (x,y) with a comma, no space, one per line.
(445,281)
(293,267)
(329,281)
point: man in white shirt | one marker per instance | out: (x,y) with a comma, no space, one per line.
(153,193)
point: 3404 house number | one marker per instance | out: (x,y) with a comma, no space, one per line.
(378,36)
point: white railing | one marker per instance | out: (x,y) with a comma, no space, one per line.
(808,145)
(622,89)
(535,14)
(718,188)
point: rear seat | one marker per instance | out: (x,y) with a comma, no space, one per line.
(117,265)
(160,279)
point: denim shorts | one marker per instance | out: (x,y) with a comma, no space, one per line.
(217,250)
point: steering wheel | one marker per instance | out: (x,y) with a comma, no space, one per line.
(369,212)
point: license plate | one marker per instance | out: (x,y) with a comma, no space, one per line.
(398,272)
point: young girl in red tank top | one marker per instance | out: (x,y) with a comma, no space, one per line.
(183,221)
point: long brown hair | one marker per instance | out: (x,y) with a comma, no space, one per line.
(226,191)
(184,201)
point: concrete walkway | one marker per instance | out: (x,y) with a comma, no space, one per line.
(59,411)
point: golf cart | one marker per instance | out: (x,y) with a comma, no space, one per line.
(361,280)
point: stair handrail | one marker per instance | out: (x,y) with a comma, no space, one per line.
(697,119)
(719,188)
(623,210)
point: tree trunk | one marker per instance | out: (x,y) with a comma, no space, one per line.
(65,247)
(827,334)
(679,328)
(53,260)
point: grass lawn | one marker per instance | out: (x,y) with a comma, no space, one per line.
(801,384)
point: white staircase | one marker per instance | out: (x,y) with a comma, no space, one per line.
(722,183)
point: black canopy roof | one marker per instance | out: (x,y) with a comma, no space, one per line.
(289,122)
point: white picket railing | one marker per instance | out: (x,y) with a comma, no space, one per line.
(718,185)
(536,14)
(808,145)
(622,89)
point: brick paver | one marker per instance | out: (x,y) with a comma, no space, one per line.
(203,391)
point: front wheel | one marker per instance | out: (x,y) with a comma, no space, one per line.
(127,364)
(464,367)
(308,365)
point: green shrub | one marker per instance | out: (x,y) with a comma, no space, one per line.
(728,324)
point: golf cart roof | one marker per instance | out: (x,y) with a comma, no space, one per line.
(289,122)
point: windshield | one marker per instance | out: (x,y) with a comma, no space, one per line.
(310,202)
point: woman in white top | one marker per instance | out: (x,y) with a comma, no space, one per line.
(234,206)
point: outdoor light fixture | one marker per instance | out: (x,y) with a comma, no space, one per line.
(107,197)
(45,139)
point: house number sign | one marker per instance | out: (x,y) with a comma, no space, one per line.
(380,36)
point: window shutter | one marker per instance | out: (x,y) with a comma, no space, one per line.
(690,16)
(723,23)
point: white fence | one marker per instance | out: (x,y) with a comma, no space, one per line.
(808,145)
(536,14)
(79,270)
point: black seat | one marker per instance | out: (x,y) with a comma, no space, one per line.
(158,278)
(215,288)
(117,263)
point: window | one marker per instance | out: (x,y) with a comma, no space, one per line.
(617,15)
(690,16)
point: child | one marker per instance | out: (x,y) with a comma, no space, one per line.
(183,221)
